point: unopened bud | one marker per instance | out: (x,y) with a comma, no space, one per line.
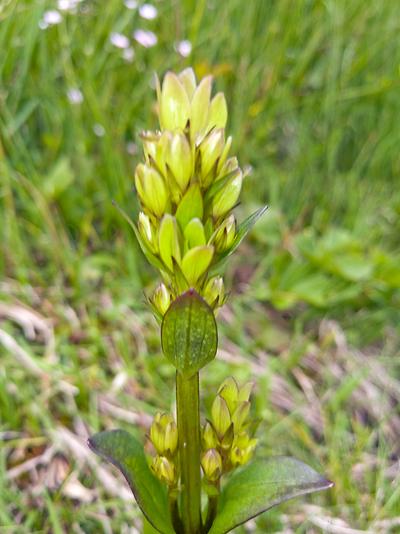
(174,104)
(180,160)
(188,79)
(209,438)
(164,434)
(242,449)
(161,299)
(221,170)
(218,113)
(214,292)
(221,418)
(228,390)
(199,109)
(227,439)
(164,470)
(171,438)
(225,235)
(211,462)
(239,416)
(210,150)
(155,145)
(168,241)
(227,197)
(147,231)
(245,391)
(151,189)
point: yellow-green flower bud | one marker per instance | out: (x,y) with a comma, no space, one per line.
(195,263)
(161,299)
(199,110)
(168,241)
(180,159)
(211,462)
(164,434)
(188,79)
(227,440)
(226,234)
(221,171)
(147,231)
(218,113)
(239,416)
(220,415)
(174,104)
(164,470)
(171,438)
(151,189)
(245,391)
(209,438)
(242,449)
(155,146)
(228,390)
(214,292)
(227,197)
(211,149)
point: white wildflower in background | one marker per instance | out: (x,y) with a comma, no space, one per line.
(50,18)
(119,40)
(98,130)
(131,4)
(148,11)
(145,37)
(75,96)
(132,148)
(128,54)
(184,48)
(68,5)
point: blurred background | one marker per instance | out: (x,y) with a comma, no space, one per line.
(313,92)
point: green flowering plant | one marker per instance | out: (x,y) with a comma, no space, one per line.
(188,187)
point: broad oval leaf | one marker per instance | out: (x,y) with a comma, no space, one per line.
(189,333)
(261,485)
(125,452)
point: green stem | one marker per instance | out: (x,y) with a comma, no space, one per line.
(211,512)
(188,416)
(174,510)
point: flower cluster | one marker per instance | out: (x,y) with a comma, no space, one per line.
(164,437)
(188,186)
(226,442)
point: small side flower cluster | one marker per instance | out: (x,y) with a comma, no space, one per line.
(226,441)
(164,437)
(188,186)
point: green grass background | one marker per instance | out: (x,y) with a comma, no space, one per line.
(313,93)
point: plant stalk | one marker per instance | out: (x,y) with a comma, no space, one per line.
(188,417)
(211,512)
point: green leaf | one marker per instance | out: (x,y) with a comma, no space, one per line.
(245,227)
(196,262)
(261,485)
(190,207)
(189,333)
(126,453)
